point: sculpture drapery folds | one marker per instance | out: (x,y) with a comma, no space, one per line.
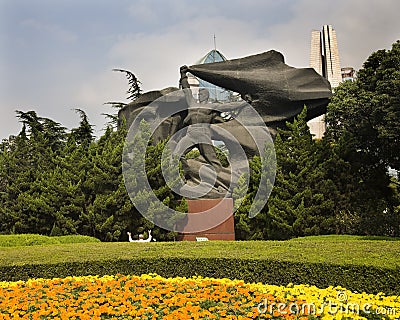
(277,91)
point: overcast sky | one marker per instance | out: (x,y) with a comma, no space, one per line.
(59,55)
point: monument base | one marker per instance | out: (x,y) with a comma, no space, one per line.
(217,210)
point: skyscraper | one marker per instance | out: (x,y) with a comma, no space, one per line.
(324,55)
(324,58)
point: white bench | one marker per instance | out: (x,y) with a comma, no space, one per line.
(201,239)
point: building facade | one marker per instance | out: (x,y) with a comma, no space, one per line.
(324,55)
(324,58)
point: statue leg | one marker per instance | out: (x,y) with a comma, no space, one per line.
(208,152)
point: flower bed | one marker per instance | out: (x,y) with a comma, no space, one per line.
(154,297)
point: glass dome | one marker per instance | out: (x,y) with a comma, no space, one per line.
(216,93)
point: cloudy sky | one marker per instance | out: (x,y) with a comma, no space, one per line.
(58,55)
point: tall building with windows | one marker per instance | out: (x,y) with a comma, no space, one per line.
(324,55)
(324,58)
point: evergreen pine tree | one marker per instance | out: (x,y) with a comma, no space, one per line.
(16,178)
(109,213)
(250,218)
(300,202)
(45,139)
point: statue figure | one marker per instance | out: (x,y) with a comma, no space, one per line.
(198,115)
(199,118)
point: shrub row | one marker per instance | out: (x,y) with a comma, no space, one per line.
(21,240)
(353,277)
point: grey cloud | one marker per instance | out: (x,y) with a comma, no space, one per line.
(153,38)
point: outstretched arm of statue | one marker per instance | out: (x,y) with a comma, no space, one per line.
(183,81)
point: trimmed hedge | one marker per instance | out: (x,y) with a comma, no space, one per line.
(22,240)
(358,265)
(353,277)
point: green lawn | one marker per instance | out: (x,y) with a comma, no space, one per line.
(343,250)
(16,240)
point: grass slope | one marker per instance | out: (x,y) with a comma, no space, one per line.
(334,250)
(360,265)
(16,240)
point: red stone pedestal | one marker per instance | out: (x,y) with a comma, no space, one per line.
(209,218)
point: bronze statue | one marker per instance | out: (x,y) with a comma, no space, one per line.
(275,90)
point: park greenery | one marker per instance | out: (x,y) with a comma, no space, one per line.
(58,182)
(28,240)
(357,263)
